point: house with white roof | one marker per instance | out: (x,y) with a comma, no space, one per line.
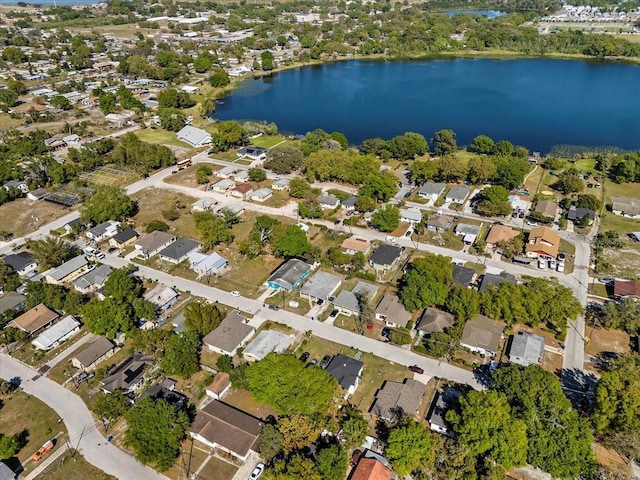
(57,333)
(431,191)
(204,204)
(223,186)
(68,271)
(196,137)
(162,296)
(205,265)
(261,194)
(226,172)
(410,215)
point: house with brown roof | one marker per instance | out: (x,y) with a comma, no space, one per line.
(500,234)
(438,223)
(543,242)
(482,335)
(232,333)
(353,245)
(626,289)
(220,385)
(35,319)
(433,320)
(371,469)
(396,399)
(222,426)
(546,208)
(392,312)
(99,349)
(242,190)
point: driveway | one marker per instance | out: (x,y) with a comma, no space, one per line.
(84,434)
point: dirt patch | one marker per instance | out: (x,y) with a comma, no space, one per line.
(243,400)
(23,216)
(187,177)
(602,340)
(609,458)
(625,262)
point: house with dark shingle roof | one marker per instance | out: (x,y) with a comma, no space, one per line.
(433,320)
(395,399)
(463,276)
(179,251)
(22,263)
(124,238)
(577,214)
(385,257)
(489,279)
(347,371)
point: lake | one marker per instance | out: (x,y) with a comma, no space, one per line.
(536,103)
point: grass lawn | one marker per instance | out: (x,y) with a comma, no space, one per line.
(605,340)
(243,400)
(187,177)
(160,137)
(9,123)
(587,165)
(217,469)
(325,239)
(599,289)
(35,422)
(569,249)
(533,181)
(268,141)
(447,239)
(629,190)
(151,202)
(276,200)
(73,468)
(22,216)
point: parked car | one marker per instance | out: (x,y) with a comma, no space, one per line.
(44,449)
(610,355)
(320,301)
(235,293)
(552,264)
(416,369)
(356,456)
(257,472)
(408,234)
(560,267)
(542,264)
(606,281)
(304,357)
(532,224)
(325,361)
(274,307)
(313,362)
(99,255)
(386,331)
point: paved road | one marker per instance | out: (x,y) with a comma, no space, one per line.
(83,433)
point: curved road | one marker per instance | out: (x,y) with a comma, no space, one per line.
(84,434)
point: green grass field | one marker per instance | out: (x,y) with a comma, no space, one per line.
(268,141)
(160,137)
(69,467)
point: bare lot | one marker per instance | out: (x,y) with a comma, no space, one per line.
(602,340)
(73,468)
(22,216)
(152,202)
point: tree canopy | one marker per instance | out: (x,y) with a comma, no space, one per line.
(284,159)
(181,355)
(108,203)
(425,282)
(386,218)
(202,317)
(410,448)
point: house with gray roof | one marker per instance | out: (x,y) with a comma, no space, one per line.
(196,137)
(261,194)
(457,194)
(223,186)
(232,333)
(410,215)
(92,280)
(431,191)
(526,349)
(6,473)
(11,301)
(227,172)
(347,371)
(349,204)
(463,276)
(68,271)
(204,204)
(266,342)
(439,223)
(57,333)
(468,232)
(162,296)
(179,251)
(433,320)
(204,265)
(443,402)
(289,275)
(482,335)
(392,312)
(328,201)
(103,231)
(22,263)
(281,184)
(385,257)
(489,279)
(627,207)
(394,399)
(577,214)
(348,302)
(128,376)
(153,243)
(98,349)
(320,286)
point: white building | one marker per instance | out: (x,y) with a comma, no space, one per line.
(56,334)
(195,137)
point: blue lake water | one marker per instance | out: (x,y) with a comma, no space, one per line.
(487,13)
(536,103)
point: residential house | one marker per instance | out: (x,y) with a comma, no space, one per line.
(223,186)
(92,280)
(410,215)
(57,333)
(128,376)
(463,276)
(526,349)
(178,323)
(439,223)
(489,279)
(434,321)
(543,242)
(578,214)
(153,243)
(37,194)
(353,245)
(235,209)
(518,203)
(195,137)
(22,263)
(320,286)
(73,226)
(35,319)
(220,385)
(289,275)
(385,257)
(224,427)
(123,239)
(68,271)
(431,191)
(347,371)
(266,342)
(468,232)
(11,301)
(103,231)
(189,88)
(482,335)
(162,296)
(204,204)
(349,302)
(227,172)
(546,208)
(242,191)
(627,207)
(232,333)
(500,234)
(72,140)
(204,265)
(179,251)
(395,399)
(626,289)
(97,350)
(254,153)
(456,194)
(261,195)
(241,176)
(328,201)
(6,473)
(281,184)
(18,185)
(392,312)
(166,393)
(371,469)
(443,402)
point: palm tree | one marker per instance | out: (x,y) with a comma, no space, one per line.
(51,252)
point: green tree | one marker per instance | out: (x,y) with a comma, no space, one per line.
(589,201)
(463,302)
(410,448)
(354,426)
(314,141)
(60,102)
(503,148)
(299,188)
(108,203)
(172,98)
(510,172)
(202,63)
(408,146)
(122,286)
(9,446)
(257,175)
(365,204)
(426,282)
(202,317)
(283,382)
(172,119)
(451,169)
(332,463)
(213,230)
(444,142)
(293,242)
(108,317)
(494,201)
(624,315)
(298,431)
(386,218)
(293,468)
(8,99)
(181,356)
(284,159)
(423,171)
(267,62)
(481,170)
(379,186)
(219,78)
(111,406)
(107,103)
(484,423)
(271,441)
(482,144)
(155,431)
(341,138)
(51,252)
(158,225)
(569,181)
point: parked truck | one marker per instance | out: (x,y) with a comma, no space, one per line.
(46,448)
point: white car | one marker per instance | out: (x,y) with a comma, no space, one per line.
(560,267)
(98,254)
(235,293)
(552,264)
(542,264)
(257,472)
(89,251)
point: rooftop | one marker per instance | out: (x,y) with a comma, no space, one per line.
(482,332)
(160,295)
(57,331)
(67,268)
(432,189)
(96,349)
(180,249)
(463,275)
(457,193)
(125,235)
(18,261)
(433,320)
(351,300)
(268,341)
(289,273)
(34,319)
(154,241)
(127,374)
(230,333)
(547,208)
(528,346)
(501,233)
(489,279)
(345,370)
(10,301)
(357,244)
(386,255)
(395,399)
(371,469)
(392,309)
(95,277)
(321,285)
